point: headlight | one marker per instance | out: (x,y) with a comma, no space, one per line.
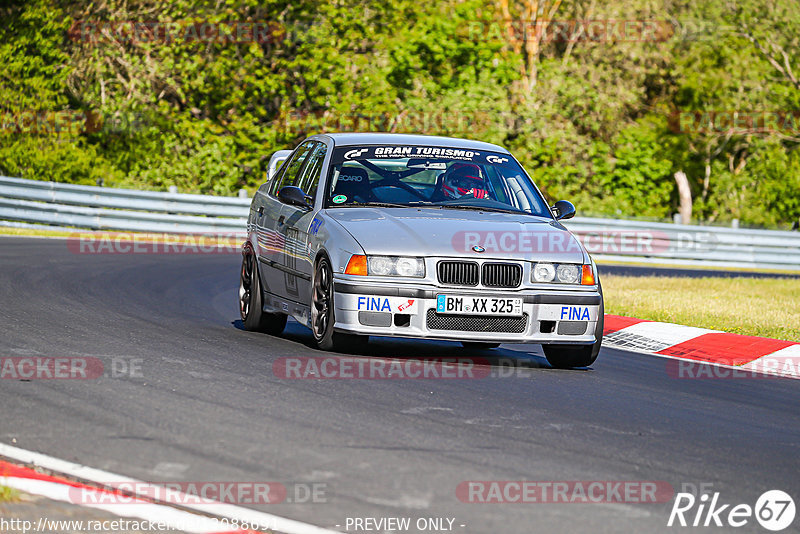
(560,273)
(380,265)
(544,272)
(568,273)
(395,266)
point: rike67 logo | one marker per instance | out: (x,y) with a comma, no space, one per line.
(774,510)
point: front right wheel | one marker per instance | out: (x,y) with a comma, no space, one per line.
(569,356)
(322,313)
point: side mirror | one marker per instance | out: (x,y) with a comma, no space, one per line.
(294,196)
(563,210)
(276,161)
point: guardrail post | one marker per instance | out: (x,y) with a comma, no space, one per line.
(173,189)
(677,219)
(243,193)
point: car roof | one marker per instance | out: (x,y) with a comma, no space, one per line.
(348,139)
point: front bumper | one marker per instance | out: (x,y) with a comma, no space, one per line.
(401,310)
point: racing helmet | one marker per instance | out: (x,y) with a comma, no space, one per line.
(464,179)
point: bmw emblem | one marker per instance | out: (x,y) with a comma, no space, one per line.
(478,248)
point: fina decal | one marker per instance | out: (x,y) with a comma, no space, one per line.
(387,304)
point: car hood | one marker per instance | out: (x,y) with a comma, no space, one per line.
(434,232)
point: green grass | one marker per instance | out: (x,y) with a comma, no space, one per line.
(8,494)
(749,306)
(226,239)
(635,263)
(36,232)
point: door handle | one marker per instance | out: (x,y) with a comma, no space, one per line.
(281,220)
(260,211)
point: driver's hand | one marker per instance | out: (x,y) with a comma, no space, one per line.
(479,193)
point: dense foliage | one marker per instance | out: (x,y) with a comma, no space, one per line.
(602,119)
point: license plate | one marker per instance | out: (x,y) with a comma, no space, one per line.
(468,305)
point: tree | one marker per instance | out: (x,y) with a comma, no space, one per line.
(526,24)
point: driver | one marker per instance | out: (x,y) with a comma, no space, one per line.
(464,179)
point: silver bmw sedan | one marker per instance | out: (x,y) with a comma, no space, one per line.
(357,235)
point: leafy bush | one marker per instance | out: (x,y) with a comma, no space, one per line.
(595,128)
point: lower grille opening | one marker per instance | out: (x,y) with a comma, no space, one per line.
(572,328)
(368,318)
(547,327)
(472,323)
(402,319)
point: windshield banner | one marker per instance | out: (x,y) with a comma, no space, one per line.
(421,152)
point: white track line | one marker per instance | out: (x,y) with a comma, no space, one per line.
(667,333)
(104,478)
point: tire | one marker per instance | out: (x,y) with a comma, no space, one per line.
(323,317)
(479,345)
(251,306)
(570,356)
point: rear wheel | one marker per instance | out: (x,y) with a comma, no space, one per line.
(251,306)
(479,345)
(322,313)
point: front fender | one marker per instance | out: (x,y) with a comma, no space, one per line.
(328,236)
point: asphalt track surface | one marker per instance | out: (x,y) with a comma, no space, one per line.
(208,407)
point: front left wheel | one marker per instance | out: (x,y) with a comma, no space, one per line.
(322,313)
(251,306)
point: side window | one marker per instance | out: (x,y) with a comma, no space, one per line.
(310,179)
(291,174)
(498,184)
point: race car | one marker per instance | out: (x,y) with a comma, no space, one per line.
(413,236)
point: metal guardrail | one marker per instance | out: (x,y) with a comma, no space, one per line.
(28,202)
(104,208)
(692,245)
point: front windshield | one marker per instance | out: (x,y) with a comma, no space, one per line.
(399,175)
